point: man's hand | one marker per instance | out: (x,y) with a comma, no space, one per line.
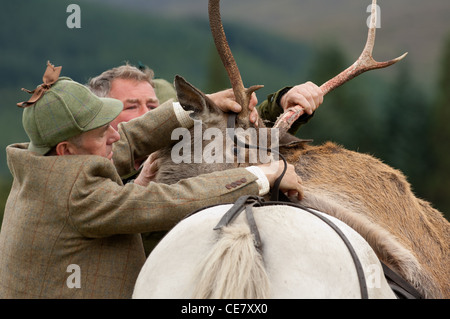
(291,182)
(307,97)
(149,170)
(226,101)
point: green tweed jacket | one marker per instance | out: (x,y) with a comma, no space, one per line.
(71,228)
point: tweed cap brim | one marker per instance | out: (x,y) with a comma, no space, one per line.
(110,110)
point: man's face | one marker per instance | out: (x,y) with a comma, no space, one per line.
(138,97)
(96,142)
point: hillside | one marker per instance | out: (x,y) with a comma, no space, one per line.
(109,36)
(413,26)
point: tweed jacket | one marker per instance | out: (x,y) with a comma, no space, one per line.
(71,228)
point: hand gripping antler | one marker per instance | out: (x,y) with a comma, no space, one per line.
(242,94)
(364,63)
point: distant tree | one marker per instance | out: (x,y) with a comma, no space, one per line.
(407,129)
(440,135)
(217,78)
(346,115)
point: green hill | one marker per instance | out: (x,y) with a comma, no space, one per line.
(414,26)
(33,32)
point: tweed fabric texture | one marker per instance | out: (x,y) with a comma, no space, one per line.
(66,110)
(164,90)
(74,210)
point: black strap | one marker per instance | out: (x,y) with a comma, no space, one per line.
(234,211)
(402,288)
(248,202)
(243,203)
(359,269)
(275,193)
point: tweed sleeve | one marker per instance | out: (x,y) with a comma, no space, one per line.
(100,206)
(143,136)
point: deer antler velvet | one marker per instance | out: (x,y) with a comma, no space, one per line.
(364,63)
(241,94)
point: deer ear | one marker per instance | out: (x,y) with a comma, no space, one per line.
(192,99)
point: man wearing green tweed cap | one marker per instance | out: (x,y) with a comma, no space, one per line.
(71,227)
(64,112)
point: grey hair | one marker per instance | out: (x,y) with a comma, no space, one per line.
(101,85)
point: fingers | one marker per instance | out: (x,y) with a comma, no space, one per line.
(307,96)
(253,112)
(316,94)
(150,166)
(299,189)
(153,168)
(226,102)
(231,105)
(292,183)
(254,117)
(253,101)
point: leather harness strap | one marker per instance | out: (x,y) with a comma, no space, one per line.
(231,122)
(247,202)
(400,286)
(243,203)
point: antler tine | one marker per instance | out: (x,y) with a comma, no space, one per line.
(365,61)
(242,95)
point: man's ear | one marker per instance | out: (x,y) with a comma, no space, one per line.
(192,99)
(65,148)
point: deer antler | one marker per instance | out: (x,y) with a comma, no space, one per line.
(364,63)
(242,95)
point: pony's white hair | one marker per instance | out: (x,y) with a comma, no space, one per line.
(234,268)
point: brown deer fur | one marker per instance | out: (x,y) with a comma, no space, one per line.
(376,200)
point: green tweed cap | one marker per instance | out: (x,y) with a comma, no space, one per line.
(65,110)
(164,90)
